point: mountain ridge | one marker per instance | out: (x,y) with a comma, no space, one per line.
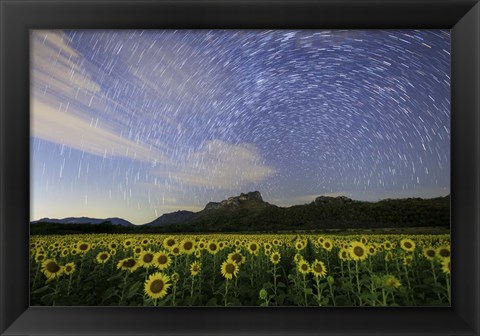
(248,211)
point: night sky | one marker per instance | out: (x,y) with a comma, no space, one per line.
(135,124)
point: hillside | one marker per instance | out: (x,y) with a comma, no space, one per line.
(250,213)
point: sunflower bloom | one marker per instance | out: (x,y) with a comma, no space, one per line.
(128,264)
(51,269)
(303,267)
(358,251)
(69,268)
(275,257)
(195,268)
(102,257)
(162,260)
(229,269)
(446,266)
(147,259)
(156,286)
(318,269)
(407,245)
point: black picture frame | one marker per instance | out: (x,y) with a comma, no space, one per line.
(17,17)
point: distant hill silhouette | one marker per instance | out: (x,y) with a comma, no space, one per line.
(249,213)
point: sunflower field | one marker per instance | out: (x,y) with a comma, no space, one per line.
(240,270)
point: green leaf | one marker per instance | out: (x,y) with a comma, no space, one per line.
(134,289)
(41,290)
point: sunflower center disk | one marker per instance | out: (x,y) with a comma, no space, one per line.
(53,267)
(156,286)
(358,251)
(230,268)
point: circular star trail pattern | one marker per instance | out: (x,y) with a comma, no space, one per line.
(210,114)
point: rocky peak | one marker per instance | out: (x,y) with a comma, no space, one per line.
(331,200)
(236,201)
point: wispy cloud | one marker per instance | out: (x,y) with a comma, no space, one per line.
(220,165)
(64,98)
(57,126)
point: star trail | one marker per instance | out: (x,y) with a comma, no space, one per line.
(135,124)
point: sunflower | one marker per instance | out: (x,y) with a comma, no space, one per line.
(195,268)
(387,245)
(236,257)
(318,269)
(113,245)
(145,242)
(156,286)
(169,242)
(275,257)
(102,257)
(446,265)
(212,247)
(298,257)
(51,269)
(299,245)
(138,249)
(358,251)
(147,259)
(303,267)
(176,250)
(83,247)
(40,257)
(200,245)
(327,244)
(253,248)
(128,264)
(162,260)
(408,261)
(229,269)
(371,249)
(429,253)
(443,252)
(69,268)
(187,246)
(407,245)
(267,246)
(127,243)
(64,253)
(276,242)
(343,254)
(197,253)
(389,256)
(390,282)
(175,277)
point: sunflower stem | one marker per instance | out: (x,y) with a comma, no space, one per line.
(124,287)
(332,294)
(358,283)
(305,289)
(448,287)
(36,276)
(275,280)
(434,273)
(319,294)
(69,284)
(55,293)
(192,287)
(384,298)
(174,294)
(226,292)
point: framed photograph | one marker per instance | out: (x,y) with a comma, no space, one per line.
(248,168)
